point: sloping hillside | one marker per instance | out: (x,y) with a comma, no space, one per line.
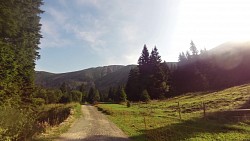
(118,77)
(101,77)
(160,120)
(230,55)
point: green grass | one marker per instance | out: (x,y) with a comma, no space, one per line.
(52,133)
(163,123)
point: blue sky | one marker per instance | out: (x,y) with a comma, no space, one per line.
(79,34)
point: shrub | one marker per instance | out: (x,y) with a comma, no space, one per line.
(145,96)
(17,124)
(76,96)
(128,104)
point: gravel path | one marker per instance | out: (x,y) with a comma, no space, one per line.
(93,126)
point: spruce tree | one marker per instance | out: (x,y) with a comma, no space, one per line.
(143,61)
(96,97)
(157,82)
(19,40)
(193,49)
(133,86)
(145,96)
(144,69)
(122,95)
(91,95)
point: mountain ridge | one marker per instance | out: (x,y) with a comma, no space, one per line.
(99,77)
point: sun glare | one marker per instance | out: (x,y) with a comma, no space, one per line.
(212,22)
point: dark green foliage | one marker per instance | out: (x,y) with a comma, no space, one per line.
(64,87)
(19,39)
(122,97)
(151,74)
(93,95)
(83,90)
(18,124)
(145,96)
(49,95)
(143,60)
(158,76)
(96,96)
(66,98)
(222,67)
(191,72)
(54,95)
(76,96)
(128,104)
(54,115)
(112,94)
(133,86)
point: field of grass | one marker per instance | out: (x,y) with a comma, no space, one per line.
(160,120)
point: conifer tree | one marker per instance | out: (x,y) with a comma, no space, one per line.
(110,94)
(157,82)
(19,40)
(133,86)
(193,49)
(122,95)
(91,95)
(143,61)
(145,96)
(96,97)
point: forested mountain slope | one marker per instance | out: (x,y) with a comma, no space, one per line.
(101,77)
(224,66)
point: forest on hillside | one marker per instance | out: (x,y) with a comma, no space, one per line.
(195,71)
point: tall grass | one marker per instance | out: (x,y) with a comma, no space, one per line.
(52,132)
(23,123)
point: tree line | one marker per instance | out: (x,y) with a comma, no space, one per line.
(194,71)
(209,71)
(81,94)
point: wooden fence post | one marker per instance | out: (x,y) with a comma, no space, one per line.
(204,109)
(179,109)
(145,124)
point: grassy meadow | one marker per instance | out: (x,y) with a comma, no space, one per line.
(160,120)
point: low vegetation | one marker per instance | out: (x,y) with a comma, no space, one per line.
(160,120)
(24,124)
(52,132)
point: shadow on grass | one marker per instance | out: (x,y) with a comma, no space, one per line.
(215,123)
(246,105)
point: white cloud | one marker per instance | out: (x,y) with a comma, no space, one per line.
(93,39)
(95,3)
(59,16)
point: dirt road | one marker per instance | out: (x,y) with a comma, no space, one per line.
(93,126)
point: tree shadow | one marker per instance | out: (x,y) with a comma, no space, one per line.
(214,123)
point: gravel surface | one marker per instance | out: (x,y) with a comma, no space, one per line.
(93,126)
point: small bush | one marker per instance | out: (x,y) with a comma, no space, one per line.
(128,104)
(145,96)
(17,124)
